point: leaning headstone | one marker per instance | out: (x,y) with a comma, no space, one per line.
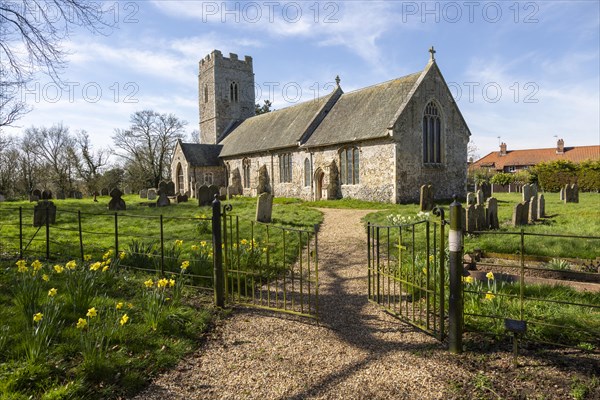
(264,207)
(213,191)
(480,197)
(471,218)
(541,206)
(116,203)
(486,188)
(144,194)
(516,216)
(203,196)
(534,189)
(525,213)
(104,192)
(480,219)
(163,199)
(471,198)
(170,188)
(562,194)
(151,194)
(492,213)
(526,192)
(263,181)
(46,195)
(426,198)
(36,194)
(43,210)
(533,209)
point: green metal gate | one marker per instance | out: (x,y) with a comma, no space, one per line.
(270,266)
(407,272)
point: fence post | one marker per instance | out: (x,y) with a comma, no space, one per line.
(217,253)
(80,235)
(455,303)
(116,235)
(47,232)
(162,247)
(21,232)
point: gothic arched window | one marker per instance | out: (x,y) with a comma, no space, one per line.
(307,173)
(246,167)
(233,92)
(180,184)
(432,133)
(285,167)
(349,166)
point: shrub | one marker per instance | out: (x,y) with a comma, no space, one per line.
(502,178)
(588,177)
(552,176)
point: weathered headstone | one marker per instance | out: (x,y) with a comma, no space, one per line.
(264,207)
(170,188)
(104,192)
(526,192)
(534,189)
(571,193)
(263,181)
(492,213)
(36,194)
(471,198)
(541,208)
(471,218)
(525,213)
(162,185)
(212,191)
(203,195)
(43,210)
(144,194)
(222,192)
(235,187)
(46,195)
(517,214)
(116,203)
(163,199)
(533,202)
(182,198)
(562,194)
(479,197)
(426,198)
(480,222)
(486,188)
(127,189)
(60,195)
(151,194)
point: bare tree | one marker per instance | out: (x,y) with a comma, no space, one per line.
(32,35)
(89,162)
(147,146)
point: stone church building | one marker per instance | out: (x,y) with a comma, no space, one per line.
(379,143)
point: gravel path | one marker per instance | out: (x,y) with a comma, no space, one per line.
(356,351)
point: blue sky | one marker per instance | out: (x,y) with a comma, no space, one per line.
(522,71)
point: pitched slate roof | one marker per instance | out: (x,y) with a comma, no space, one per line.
(363,114)
(274,130)
(201,155)
(534,156)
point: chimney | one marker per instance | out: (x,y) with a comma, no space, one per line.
(560,146)
(502,149)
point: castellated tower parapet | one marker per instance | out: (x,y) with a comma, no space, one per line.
(226,94)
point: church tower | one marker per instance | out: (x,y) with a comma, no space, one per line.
(226,94)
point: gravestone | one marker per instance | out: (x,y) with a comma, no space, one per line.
(492,213)
(222,192)
(151,194)
(562,194)
(203,196)
(170,188)
(426,198)
(42,210)
(127,189)
(264,207)
(212,191)
(60,195)
(471,198)
(533,202)
(36,194)
(163,199)
(46,195)
(263,181)
(541,206)
(2,198)
(144,194)
(104,192)
(534,190)
(479,197)
(517,214)
(116,203)
(471,218)
(571,193)
(526,192)
(486,188)
(525,213)
(480,222)
(235,188)
(182,198)
(162,185)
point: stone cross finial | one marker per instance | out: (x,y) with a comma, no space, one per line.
(432,51)
(337,80)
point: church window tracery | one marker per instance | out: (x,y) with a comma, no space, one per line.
(432,128)
(350,166)
(246,168)
(285,167)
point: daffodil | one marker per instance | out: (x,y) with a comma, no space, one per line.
(124,319)
(129,305)
(178,243)
(490,276)
(119,305)
(162,283)
(122,255)
(243,242)
(71,264)
(95,266)
(45,277)
(92,312)
(194,247)
(105,268)
(425,270)
(149,283)
(468,279)
(171,282)
(185,265)
(81,323)
(87,257)
(107,255)
(22,266)
(431,258)
(36,265)
(52,292)
(38,317)
(58,269)
(489,295)
(203,243)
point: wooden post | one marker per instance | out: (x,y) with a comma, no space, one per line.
(455,303)
(217,253)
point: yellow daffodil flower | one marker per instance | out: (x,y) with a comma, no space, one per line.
(178,243)
(92,312)
(489,295)
(36,265)
(129,305)
(58,269)
(194,247)
(81,323)
(162,283)
(52,292)
(38,317)
(122,255)
(149,283)
(490,276)
(107,255)
(71,264)
(171,282)
(105,268)
(95,266)
(119,305)
(87,257)
(45,278)
(203,243)
(124,319)
(185,265)
(431,258)
(468,279)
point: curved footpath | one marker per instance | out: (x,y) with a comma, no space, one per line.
(355,352)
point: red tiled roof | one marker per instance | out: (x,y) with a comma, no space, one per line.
(534,156)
